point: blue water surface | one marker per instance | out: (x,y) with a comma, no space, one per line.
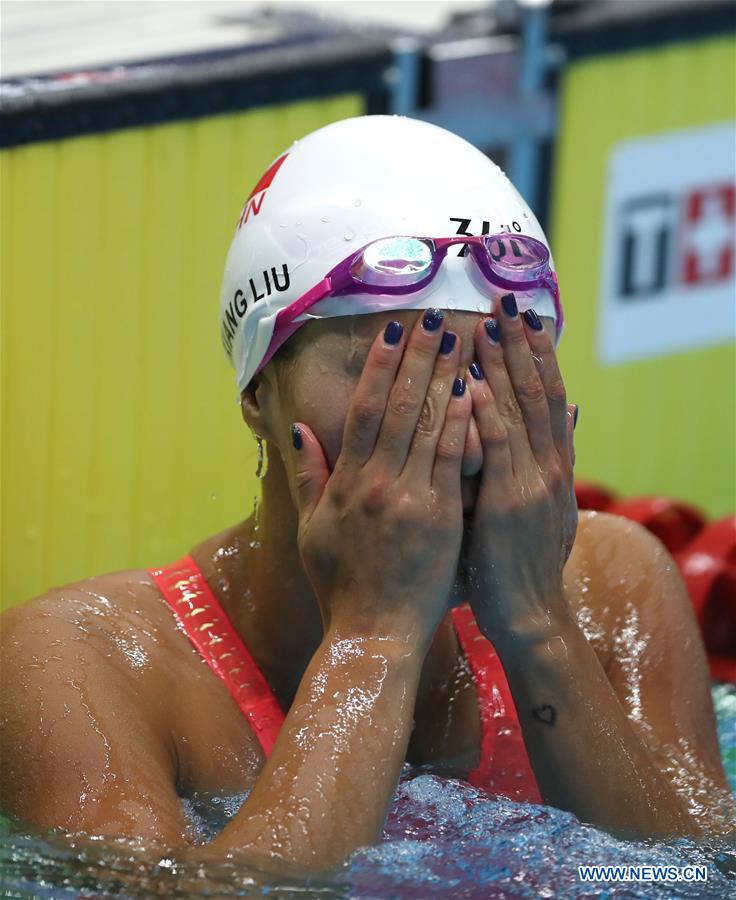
(442,838)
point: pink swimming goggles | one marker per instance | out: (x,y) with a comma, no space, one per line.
(399,265)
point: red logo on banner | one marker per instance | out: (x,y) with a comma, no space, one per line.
(255,199)
(708,234)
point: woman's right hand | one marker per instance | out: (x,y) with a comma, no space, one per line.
(380,536)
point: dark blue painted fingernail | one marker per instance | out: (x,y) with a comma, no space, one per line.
(432,319)
(508,301)
(575,420)
(493,330)
(448,342)
(296,437)
(393,332)
(533,320)
(476,371)
(458,387)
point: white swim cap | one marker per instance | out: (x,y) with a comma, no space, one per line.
(343,186)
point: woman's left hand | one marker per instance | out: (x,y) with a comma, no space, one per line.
(525,516)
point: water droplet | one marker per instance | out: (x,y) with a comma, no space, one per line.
(325,219)
(213,496)
(224,584)
(358,202)
(349,235)
(297,223)
(255,545)
(282,225)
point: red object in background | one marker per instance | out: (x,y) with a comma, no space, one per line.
(717,539)
(593,496)
(674,523)
(708,565)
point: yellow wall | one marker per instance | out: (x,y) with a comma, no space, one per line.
(122,444)
(664,425)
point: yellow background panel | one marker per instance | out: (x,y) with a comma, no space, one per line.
(122,440)
(657,426)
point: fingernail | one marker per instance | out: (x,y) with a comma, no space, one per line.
(508,301)
(296,437)
(493,331)
(533,320)
(575,420)
(448,342)
(476,371)
(393,332)
(432,319)
(458,387)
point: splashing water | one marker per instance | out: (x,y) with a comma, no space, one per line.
(442,838)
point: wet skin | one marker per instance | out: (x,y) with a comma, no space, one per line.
(109,713)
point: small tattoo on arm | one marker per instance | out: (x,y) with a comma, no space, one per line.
(545,713)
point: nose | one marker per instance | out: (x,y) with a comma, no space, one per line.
(464,324)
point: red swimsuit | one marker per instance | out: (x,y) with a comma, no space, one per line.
(504,767)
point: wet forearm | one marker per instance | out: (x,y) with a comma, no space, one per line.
(586,756)
(327,785)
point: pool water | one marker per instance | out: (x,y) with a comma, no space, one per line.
(442,838)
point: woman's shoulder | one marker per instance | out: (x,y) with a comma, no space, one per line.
(90,600)
(612,545)
(103,615)
(618,573)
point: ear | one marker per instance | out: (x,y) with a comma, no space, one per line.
(256,401)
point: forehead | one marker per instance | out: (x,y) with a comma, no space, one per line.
(361,330)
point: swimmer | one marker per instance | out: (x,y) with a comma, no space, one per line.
(417,583)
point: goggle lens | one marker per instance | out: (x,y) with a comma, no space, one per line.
(396,260)
(517,258)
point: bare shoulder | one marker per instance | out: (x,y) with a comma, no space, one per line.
(616,562)
(117,618)
(102,662)
(92,601)
(620,577)
(112,630)
(83,707)
(603,534)
(633,605)
(108,628)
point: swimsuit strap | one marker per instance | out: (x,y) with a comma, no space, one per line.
(207,626)
(504,766)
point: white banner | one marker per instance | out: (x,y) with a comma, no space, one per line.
(668,277)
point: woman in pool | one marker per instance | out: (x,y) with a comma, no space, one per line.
(417,560)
